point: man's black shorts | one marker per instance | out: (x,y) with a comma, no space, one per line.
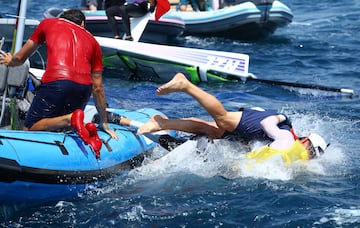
(56,99)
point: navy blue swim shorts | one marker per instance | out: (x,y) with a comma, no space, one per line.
(56,99)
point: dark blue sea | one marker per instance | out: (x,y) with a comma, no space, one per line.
(321,46)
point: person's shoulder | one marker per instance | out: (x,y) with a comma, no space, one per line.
(49,20)
(90,37)
(52,19)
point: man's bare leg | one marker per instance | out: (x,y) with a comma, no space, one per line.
(52,124)
(225,120)
(190,125)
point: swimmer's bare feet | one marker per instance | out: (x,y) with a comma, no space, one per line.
(153,125)
(178,83)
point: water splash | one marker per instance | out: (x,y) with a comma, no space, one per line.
(342,217)
(227,159)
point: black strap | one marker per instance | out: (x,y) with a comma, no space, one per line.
(55,143)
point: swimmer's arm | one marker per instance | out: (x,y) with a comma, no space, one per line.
(282,138)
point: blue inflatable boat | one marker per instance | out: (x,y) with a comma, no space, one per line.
(39,166)
(43,166)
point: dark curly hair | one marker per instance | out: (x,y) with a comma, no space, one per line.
(74,15)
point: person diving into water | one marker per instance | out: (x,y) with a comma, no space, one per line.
(247,124)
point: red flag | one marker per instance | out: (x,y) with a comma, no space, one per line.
(162,7)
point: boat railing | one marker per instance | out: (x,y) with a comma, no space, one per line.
(2,41)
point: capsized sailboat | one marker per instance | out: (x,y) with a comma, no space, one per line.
(153,62)
(159,63)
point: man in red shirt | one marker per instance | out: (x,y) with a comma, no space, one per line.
(74,71)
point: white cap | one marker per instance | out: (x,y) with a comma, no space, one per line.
(318,143)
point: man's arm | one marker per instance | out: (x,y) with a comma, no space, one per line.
(282,138)
(21,56)
(100,102)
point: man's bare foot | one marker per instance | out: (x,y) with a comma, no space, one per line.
(153,125)
(178,83)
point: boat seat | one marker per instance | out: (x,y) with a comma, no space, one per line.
(13,81)
(16,80)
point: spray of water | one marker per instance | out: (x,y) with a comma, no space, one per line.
(228,159)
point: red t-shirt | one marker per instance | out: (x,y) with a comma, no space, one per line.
(72,52)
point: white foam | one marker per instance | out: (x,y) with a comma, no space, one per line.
(342,217)
(221,158)
(227,159)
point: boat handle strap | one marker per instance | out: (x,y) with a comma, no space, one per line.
(55,143)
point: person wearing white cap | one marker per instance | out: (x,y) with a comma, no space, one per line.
(247,124)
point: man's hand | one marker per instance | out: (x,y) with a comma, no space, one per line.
(106,128)
(5,58)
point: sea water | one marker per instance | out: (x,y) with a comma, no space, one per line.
(219,187)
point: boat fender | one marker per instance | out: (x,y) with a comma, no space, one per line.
(94,139)
(77,122)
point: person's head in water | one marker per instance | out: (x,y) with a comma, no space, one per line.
(314,144)
(74,15)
